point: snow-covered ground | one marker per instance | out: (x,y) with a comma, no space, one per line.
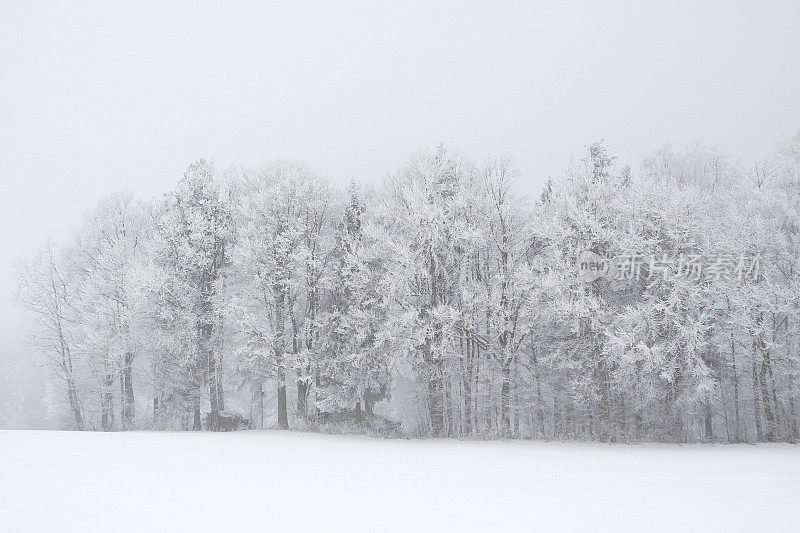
(282,481)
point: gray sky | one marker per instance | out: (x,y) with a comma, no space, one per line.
(94,97)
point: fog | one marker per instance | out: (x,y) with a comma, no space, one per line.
(99,97)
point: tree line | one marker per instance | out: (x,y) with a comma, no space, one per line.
(439,303)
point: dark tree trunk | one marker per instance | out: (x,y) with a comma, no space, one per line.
(215,394)
(709,424)
(283,418)
(770,408)
(209,357)
(197,423)
(303,387)
(127,391)
(435,404)
(468,428)
(107,404)
(304,383)
(761,355)
(369,403)
(757,406)
(258,397)
(538,387)
(505,399)
(279,292)
(737,425)
(72,387)
(74,404)
(793,434)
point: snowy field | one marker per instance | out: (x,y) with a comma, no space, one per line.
(282,481)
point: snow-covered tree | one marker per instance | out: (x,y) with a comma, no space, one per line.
(285,243)
(443,300)
(194,234)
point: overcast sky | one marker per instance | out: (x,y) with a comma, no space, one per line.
(95,97)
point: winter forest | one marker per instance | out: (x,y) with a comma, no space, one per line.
(437,302)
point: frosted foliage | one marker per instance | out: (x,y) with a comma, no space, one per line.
(441,303)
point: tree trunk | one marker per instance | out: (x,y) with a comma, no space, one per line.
(303,387)
(215,394)
(304,383)
(369,403)
(757,406)
(709,424)
(770,408)
(107,404)
(761,355)
(737,426)
(435,404)
(468,376)
(258,397)
(74,404)
(793,434)
(283,417)
(66,364)
(197,423)
(209,357)
(505,396)
(279,292)
(538,390)
(127,391)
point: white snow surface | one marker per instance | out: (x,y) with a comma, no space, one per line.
(287,481)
